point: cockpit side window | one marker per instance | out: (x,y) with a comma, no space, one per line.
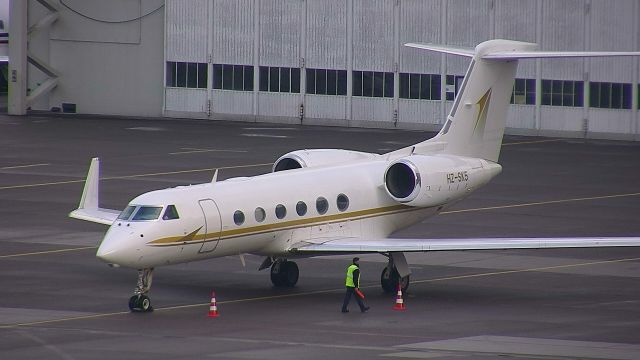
(147,213)
(170,213)
(126,213)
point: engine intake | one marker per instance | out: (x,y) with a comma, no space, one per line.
(402,180)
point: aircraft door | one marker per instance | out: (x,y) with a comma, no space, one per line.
(212,225)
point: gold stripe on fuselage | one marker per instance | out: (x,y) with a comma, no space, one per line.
(291,224)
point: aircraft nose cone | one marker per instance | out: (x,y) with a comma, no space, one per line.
(107,254)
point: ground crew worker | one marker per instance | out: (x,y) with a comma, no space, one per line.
(353,282)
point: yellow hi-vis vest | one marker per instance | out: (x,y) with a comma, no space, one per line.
(350,271)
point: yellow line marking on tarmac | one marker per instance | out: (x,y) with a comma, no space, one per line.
(532,142)
(133,176)
(541,203)
(48,252)
(316,292)
(197,151)
(22,166)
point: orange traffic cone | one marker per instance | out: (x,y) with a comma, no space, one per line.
(213,308)
(399,302)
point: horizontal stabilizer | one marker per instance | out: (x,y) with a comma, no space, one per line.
(454,50)
(507,55)
(358,245)
(516,53)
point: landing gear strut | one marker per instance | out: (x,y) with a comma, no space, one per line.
(390,277)
(140,302)
(284,273)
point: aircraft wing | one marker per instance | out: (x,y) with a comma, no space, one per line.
(97,215)
(361,245)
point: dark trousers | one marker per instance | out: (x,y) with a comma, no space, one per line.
(347,298)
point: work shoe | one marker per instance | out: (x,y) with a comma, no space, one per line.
(365,309)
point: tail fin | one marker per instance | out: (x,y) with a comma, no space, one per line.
(476,123)
(477,119)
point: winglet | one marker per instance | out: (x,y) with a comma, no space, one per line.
(90,197)
(88,209)
(215,177)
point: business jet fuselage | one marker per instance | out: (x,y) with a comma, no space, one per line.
(269,214)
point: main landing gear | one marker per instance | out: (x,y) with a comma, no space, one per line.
(390,277)
(284,273)
(140,302)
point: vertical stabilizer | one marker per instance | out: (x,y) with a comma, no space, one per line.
(476,123)
(478,117)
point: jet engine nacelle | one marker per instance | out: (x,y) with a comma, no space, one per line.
(433,180)
(319,157)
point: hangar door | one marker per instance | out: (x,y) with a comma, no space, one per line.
(187,49)
(216,57)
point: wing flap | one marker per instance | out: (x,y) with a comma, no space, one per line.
(359,245)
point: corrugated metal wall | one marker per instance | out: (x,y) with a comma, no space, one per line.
(233,31)
(186,29)
(368,35)
(326,43)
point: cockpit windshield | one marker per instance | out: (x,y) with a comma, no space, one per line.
(170,213)
(126,213)
(147,213)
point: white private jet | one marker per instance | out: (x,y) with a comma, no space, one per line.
(319,202)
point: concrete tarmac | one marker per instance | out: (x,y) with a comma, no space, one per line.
(57,301)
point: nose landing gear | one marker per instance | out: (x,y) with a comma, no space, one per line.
(284,273)
(140,302)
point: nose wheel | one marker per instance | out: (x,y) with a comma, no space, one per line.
(140,302)
(284,273)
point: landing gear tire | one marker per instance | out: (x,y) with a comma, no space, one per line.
(284,274)
(390,279)
(140,303)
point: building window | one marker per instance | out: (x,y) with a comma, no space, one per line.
(326,82)
(610,95)
(372,84)
(420,86)
(562,93)
(233,77)
(279,79)
(454,82)
(189,75)
(524,92)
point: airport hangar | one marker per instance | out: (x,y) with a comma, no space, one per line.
(323,62)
